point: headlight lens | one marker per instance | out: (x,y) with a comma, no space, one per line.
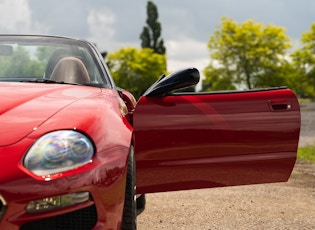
(57,152)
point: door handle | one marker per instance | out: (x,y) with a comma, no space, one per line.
(279,105)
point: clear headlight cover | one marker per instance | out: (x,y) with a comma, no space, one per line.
(57,152)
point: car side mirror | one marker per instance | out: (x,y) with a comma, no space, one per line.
(174,81)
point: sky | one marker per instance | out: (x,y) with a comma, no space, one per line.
(186,24)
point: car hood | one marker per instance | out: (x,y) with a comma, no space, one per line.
(25,106)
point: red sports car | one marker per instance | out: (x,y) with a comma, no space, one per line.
(75,150)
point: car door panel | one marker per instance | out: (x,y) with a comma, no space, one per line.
(190,141)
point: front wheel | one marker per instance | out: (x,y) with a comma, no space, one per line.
(129,221)
(141,201)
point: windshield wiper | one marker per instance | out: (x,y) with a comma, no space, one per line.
(44,80)
(39,80)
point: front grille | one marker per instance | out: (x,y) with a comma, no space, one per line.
(83,219)
(2,206)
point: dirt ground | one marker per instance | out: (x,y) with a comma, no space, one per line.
(289,205)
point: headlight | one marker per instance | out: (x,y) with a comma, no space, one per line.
(57,152)
(55,202)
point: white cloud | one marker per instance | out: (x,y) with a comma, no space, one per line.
(101,27)
(186,49)
(102,30)
(185,53)
(11,20)
(100,23)
(15,17)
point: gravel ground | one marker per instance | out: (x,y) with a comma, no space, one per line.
(289,205)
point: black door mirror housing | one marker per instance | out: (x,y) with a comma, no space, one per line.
(177,80)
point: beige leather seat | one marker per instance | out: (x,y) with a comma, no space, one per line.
(70,70)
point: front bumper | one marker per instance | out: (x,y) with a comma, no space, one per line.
(105,182)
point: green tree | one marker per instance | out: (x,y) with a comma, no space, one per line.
(304,63)
(43,53)
(20,64)
(216,79)
(246,54)
(150,36)
(136,70)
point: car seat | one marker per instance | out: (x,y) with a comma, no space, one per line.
(70,70)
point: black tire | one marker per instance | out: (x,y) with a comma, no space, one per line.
(141,200)
(129,220)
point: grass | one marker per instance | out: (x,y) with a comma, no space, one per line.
(307,153)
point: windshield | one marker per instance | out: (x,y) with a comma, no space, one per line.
(52,59)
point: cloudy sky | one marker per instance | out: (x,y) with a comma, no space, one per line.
(186,24)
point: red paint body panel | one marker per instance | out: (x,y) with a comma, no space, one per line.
(212,140)
(31,110)
(27,106)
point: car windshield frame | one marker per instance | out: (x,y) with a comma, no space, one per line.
(92,59)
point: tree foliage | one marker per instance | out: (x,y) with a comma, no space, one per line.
(304,63)
(136,70)
(21,64)
(150,36)
(246,54)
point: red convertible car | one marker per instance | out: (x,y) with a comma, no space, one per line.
(75,150)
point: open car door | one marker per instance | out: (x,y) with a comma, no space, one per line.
(189,141)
